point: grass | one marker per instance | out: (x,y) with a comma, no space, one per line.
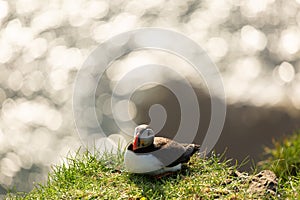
(284,160)
(90,176)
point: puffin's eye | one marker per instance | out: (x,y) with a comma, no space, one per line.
(149,132)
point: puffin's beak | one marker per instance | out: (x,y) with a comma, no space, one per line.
(136,143)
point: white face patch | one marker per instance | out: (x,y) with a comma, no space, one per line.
(145,137)
(147,133)
(139,129)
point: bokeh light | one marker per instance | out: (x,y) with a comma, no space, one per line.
(286,72)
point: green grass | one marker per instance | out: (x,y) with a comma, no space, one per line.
(90,176)
(284,160)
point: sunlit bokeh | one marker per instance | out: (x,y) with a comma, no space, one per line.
(255,44)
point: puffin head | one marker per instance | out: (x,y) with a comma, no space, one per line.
(143,137)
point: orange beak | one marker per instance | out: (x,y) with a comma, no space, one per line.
(135,143)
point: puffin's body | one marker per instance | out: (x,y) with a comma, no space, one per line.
(156,155)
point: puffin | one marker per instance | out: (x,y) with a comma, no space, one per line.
(157,156)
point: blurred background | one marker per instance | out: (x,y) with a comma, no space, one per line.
(254,43)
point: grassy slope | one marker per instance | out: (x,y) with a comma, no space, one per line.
(90,177)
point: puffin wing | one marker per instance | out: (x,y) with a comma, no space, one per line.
(172,153)
(190,149)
